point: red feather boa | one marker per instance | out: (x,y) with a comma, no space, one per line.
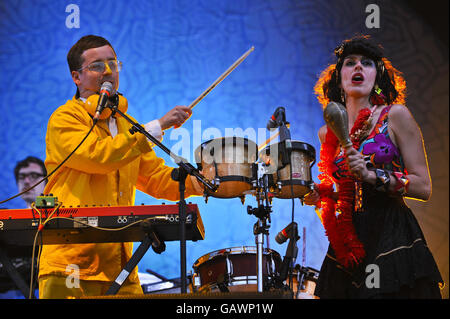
(339,228)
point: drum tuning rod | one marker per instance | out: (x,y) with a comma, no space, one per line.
(220,78)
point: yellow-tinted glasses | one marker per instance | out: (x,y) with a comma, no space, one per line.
(100,66)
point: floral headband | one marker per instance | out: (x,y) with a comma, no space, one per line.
(339,50)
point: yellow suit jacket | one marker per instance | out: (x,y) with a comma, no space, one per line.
(104,170)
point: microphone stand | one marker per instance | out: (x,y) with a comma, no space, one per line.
(286,148)
(284,137)
(261,228)
(178,174)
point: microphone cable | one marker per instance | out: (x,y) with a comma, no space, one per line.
(30,188)
(57,167)
(290,274)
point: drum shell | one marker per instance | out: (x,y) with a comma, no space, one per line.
(302,158)
(236,267)
(229,161)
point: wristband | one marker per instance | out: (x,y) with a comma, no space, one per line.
(401,187)
(383,180)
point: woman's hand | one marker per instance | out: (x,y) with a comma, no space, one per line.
(312,197)
(356,164)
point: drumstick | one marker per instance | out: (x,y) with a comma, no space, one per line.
(268,141)
(220,78)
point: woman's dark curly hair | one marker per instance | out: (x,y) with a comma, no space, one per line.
(389,79)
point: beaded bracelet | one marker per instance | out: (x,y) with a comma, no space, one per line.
(401,187)
(383,180)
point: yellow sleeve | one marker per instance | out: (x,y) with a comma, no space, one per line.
(155,179)
(99,154)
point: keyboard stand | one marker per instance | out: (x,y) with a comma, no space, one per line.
(151,239)
(14,274)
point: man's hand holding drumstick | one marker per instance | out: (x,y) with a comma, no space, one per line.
(175,117)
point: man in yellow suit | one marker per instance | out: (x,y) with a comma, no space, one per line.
(105,170)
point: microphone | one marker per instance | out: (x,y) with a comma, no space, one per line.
(105,92)
(274,120)
(278,119)
(286,233)
(289,232)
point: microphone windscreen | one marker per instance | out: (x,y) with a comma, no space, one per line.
(271,124)
(106,86)
(280,238)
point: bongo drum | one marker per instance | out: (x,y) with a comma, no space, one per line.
(227,162)
(301,160)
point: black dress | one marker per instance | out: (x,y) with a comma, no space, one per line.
(398,262)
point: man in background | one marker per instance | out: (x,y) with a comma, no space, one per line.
(27,173)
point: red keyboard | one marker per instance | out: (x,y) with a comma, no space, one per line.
(102,224)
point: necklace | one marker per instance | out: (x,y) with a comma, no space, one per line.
(337,216)
(361,130)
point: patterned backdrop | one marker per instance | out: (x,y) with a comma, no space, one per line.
(173,50)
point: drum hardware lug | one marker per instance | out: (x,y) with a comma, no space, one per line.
(279,186)
(270,197)
(216,181)
(230,270)
(191,281)
(271,270)
(242,199)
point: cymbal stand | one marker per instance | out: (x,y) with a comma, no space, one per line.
(262,212)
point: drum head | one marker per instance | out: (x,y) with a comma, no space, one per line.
(233,251)
(275,148)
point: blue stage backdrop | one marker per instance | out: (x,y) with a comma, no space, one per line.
(172,51)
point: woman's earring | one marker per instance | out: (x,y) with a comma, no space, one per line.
(342,96)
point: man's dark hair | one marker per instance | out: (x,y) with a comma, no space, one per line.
(26,162)
(74,58)
(87,42)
